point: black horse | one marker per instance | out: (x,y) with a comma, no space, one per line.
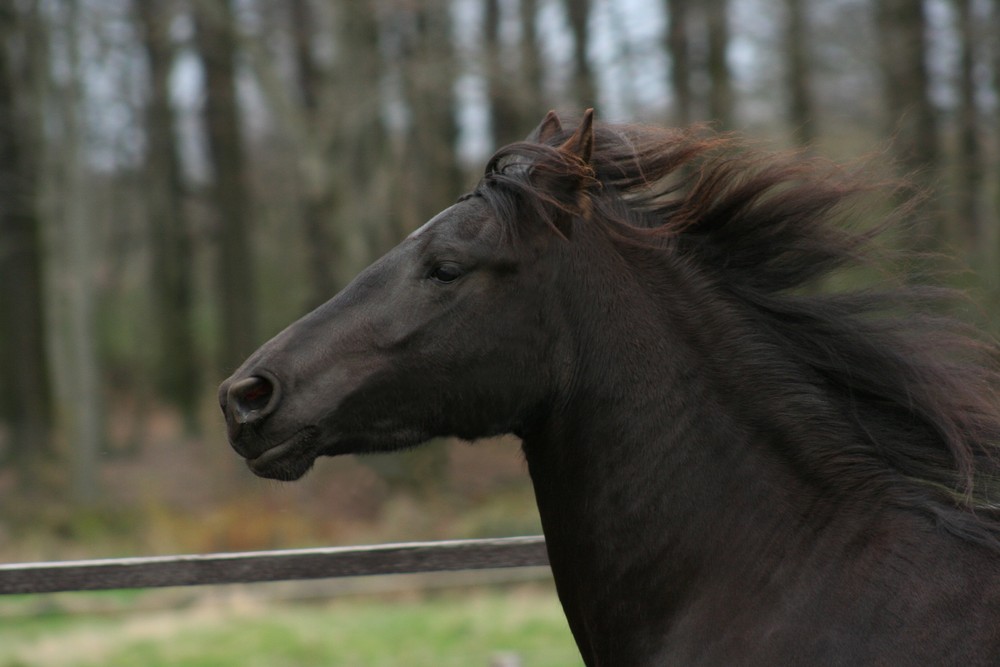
(732,466)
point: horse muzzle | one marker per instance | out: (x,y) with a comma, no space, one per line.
(247,404)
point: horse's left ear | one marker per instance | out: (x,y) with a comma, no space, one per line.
(548,128)
(581,142)
(577,180)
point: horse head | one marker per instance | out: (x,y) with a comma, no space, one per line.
(451,333)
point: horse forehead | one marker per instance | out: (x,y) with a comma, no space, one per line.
(465,221)
(428,226)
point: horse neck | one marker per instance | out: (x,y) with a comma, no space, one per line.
(646,462)
(652,480)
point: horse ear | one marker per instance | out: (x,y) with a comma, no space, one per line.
(581,143)
(581,146)
(548,128)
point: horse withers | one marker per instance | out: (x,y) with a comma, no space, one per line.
(732,467)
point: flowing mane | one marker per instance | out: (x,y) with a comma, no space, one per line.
(738,457)
(887,394)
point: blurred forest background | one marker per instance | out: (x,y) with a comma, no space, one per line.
(181,178)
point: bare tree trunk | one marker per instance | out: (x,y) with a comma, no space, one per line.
(991,168)
(515,84)
(365,139)
(531,63)
(584,86)
(720,98)
(72,237)
(215,36)
(432,169)
(801,110)
(503,88)
(319,188)
(25,394)
(995,30)
(970,160)
(902,27)
(678,49)
(87,429)
(176,366)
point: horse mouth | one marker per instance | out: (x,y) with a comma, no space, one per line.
(288,460)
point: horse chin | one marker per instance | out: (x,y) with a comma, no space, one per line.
(284,471)
(295,456)
(289,460)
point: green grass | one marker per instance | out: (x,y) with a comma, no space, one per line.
(464,628)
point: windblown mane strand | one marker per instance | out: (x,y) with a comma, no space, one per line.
(919,389)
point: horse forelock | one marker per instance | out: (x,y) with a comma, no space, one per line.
(768,230)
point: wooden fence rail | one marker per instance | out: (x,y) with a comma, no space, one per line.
(254,566)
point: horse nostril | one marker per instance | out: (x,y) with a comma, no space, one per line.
(252,398)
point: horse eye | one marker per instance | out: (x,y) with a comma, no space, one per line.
(445,273)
